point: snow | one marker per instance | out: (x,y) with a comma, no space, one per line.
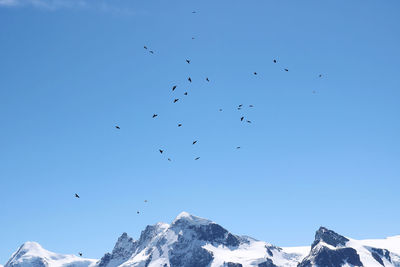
(391,243)
(191,219)
(30,251)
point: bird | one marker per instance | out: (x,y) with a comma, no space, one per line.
(189,79)
(185,93)
(286,70)
(137,212)
(220,109)
(145,47)
(155,115)
(77,196)
(161,151)
(238,147)
(145,201)
(173,87)
(241,105)
(197,158)
(194,142)
(207,79)
(169,159)
(248,121)
(250,106)
(239,108)
(176,100)
(242,118)
(193,12)
(117,127)
(192,38)
(80,254)
(151,51)
(320,75)
(255,73)
(179,124)
(188,61)
(274,60)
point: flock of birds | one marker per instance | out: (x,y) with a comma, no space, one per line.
(155,115)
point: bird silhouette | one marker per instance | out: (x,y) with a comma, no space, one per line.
(137,212)
(117,127)
(238,147)
(169,159)
(176,100)
(197,158)
(145,201)
(189,79)
(194,142)
(250,106)
(179,124)
(248,121)
(186,93)
(193,12)
(155,115)
(192,38)
(220,109)
(77,196)
(173,87)
(242,118)
(286,70)
(145,47)
(241,105)
(255,73)
(151,51)
(207,79)
(320,75)
(80,254)
(161,151)
(188,61)
(274,60)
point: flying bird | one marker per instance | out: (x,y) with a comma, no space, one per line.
(192,38)
(220,109)
(320,75)
(80,254)
(255,73)
(274,60)
(161,151)
(207,79)
(176,100)
(155,115)
(77,196)
(197,158)
(250,106)
(179,124)
(248,121)
(194,142)
(117,127)
(145,201)
(185,93)
(286,70)
(238,147)
(145,47)
(137,212)
(241,105)
(169,159)
(151,51)
(189,79)
(242,118)
(193,12)
(174,87)
(188,61)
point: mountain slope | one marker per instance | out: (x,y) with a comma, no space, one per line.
(190,241)
(31,254)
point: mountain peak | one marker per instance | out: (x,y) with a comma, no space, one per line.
(191,219)
(329,237)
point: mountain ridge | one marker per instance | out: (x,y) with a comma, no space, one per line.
(191,241)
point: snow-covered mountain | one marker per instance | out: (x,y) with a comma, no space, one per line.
(190,241)
(31,254)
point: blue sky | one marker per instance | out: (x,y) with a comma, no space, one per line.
(72,70)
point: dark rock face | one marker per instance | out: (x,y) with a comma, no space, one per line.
(196,257)
(123,250)
(267,263)
(332,258)
(231,264)
(378,254)
(329,237)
